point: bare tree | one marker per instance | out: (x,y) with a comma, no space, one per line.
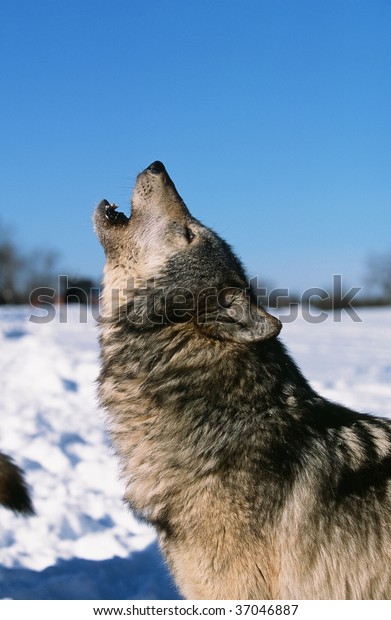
(11,266)
(378,276)
(21,273)
(40,270)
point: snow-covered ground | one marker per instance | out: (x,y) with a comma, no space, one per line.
(83,543)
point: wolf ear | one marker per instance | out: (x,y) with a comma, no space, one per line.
(239,319)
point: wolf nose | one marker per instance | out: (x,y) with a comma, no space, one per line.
(156,168)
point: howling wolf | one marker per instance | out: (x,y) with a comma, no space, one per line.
(258,487)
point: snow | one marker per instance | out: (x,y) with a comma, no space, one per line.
(83,543)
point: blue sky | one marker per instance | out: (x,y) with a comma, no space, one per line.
(273,118)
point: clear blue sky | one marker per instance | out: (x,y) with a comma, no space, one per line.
(272,116)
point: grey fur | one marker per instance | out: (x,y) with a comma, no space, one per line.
(259,488)
(14,493)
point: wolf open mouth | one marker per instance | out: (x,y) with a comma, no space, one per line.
(111,215)
(154,180)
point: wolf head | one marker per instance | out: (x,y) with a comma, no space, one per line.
(166,268)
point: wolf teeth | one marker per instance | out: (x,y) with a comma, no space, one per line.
(111,213)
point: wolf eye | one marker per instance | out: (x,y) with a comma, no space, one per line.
(189,235)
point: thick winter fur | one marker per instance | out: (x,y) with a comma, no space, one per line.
(13,489)
(259,488)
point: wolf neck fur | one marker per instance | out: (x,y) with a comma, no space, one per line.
(175,369)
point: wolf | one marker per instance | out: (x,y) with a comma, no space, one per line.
(258,487)
(14,493)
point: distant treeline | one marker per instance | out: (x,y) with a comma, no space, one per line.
(23,273)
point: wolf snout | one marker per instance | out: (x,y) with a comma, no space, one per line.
(157,168)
